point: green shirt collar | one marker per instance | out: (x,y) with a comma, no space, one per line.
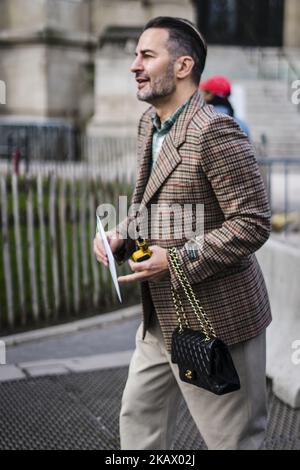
(166,126)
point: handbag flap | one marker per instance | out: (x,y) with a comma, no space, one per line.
(191,350)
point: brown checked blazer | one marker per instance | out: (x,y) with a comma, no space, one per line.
(206,159)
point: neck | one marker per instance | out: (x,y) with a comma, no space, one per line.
(169,104)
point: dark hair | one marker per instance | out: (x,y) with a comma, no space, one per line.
(222,101)
(184,39)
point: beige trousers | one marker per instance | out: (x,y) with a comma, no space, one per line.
(153,391)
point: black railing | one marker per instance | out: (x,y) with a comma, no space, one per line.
(39,142)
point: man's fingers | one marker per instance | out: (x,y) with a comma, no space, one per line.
(98,244)
(99,248)
(100,253)
(138,267)
(102,259)
(134,277)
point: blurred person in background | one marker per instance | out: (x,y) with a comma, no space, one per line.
(216,91)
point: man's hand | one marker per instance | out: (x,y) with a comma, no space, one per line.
(115,242)
(153,269)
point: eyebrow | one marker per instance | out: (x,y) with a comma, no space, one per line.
(144,51)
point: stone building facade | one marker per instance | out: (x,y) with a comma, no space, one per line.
(66,62)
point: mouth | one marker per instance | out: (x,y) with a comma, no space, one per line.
(141,82)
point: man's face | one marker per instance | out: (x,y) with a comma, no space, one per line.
(153,66)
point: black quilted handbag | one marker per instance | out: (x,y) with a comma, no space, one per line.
(203,359)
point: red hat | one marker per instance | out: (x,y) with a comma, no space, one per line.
(217,85)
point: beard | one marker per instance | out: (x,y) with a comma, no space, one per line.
(162,86)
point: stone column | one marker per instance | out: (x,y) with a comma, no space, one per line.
(47,60)
(129,13)
(291,29)
(117,109)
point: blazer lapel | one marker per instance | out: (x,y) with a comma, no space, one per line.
(179,129)
(169,157)
(145,165)
(166,162)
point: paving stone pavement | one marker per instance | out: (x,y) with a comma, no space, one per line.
(80,410)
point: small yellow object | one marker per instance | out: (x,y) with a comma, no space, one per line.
(143,253)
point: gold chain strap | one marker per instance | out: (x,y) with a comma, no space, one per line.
(205,323)
(178,304)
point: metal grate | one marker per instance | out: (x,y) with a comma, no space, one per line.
(81,411)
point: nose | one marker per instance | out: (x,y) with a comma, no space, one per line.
(137,65)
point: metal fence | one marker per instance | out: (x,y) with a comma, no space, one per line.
(47,223)
(48,271)
(36,142)
(58,143)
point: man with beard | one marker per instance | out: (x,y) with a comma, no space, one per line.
(190,154)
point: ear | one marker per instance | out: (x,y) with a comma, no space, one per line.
(184,66)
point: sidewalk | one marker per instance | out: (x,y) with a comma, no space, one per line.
(69,394)
(100,342)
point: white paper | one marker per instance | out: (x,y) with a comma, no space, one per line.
(111,260)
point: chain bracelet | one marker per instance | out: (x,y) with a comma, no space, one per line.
(205,323)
